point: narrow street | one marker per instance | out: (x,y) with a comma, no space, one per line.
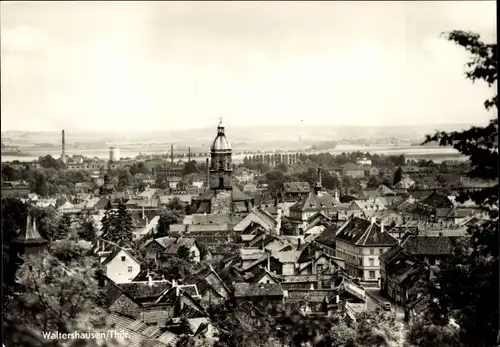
(374,299)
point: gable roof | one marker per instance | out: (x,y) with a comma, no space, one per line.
(172,244)
(115,253)
(145,290)
(137,335)
(362,232)
(258,273)
(314,202)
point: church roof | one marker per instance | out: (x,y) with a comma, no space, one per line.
(221,143)
(30,233)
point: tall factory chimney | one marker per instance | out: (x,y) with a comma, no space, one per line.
(172,154)
(207,178)
(63,149)
(189,154)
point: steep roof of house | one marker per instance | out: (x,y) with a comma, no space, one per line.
(137,334)
(115,253)
(245,290)
(111,292)
(143,290)
(258,273)
(313,202)
(362,232)
(438,200)
(428,245)
(384,190)
(327,237)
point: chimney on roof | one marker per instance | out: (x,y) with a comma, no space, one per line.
(150,281)
(269,263)
(63,148)
(373,220)
(299,244)
(382,226)
(207,175)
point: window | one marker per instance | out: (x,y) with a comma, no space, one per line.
(371,261)
(360,261)
(319,268)
(372,274)
(221,182)
(381,250)
(372,251)
(130,269)
(123,258)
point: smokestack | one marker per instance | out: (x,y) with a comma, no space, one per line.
(172,154)
(63,149)
(207,178)
(189,154)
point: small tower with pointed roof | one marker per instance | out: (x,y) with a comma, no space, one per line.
(29,241)
(221,167)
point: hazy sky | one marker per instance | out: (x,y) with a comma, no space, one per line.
(161,66)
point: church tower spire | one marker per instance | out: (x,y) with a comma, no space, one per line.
(221,166)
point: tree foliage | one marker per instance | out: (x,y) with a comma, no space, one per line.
(53,296)
(170,217)
(86,228)
(466,287)
(398,176)
(63,228)
(117,225)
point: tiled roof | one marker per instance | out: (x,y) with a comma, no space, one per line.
(315,202)
(437,200)
(111,292)
(142,290)
(327,237)
(172,244)
(138,333)
(364,233)
(245,290)
(222,248)
(428,245)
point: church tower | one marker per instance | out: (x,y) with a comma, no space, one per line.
(221,166)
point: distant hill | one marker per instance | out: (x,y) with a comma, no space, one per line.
(247,136)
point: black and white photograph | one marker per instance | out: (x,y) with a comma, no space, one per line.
(249,174)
